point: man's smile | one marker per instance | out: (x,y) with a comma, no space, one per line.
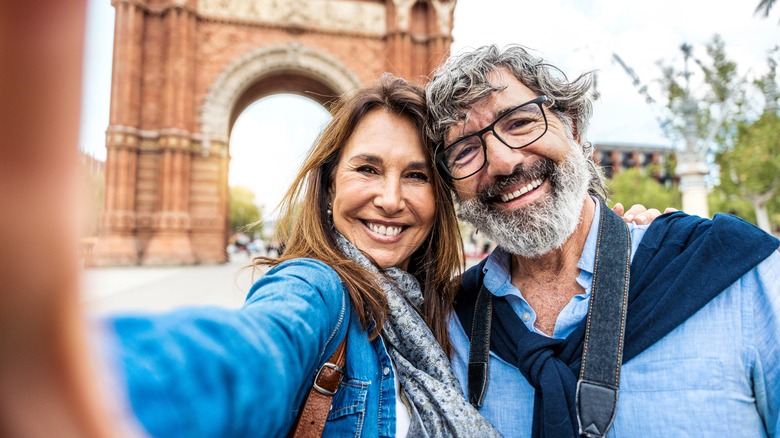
(506,197)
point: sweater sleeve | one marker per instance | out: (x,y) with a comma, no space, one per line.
(233,372)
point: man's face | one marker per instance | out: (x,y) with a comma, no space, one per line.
(526,200)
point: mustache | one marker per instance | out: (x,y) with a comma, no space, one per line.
(539,170)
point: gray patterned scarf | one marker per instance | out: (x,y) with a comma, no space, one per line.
(439,408)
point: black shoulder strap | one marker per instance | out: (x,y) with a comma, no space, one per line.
(474,310)
(602,353)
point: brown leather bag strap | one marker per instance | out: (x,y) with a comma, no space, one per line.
(314,412)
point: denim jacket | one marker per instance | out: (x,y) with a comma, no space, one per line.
(218,372)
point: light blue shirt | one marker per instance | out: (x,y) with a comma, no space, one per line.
(715,375)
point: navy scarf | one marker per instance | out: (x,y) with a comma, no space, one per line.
(682,263)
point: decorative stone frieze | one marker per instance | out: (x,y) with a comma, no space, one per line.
(324,15)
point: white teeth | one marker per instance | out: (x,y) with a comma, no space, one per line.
(381,229)
(506,197)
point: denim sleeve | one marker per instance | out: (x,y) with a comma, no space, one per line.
(233,372)
(765,340)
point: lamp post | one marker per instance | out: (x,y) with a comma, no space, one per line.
(691,165)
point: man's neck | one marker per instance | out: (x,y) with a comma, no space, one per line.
(549,282)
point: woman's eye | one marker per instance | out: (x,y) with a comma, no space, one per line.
(366,169)
(419,175)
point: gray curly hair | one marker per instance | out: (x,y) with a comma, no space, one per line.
(463,80)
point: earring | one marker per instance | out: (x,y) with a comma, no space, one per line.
(329,211)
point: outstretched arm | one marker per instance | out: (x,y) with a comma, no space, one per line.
(45,376)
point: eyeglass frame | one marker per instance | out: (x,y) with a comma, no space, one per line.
(439,151)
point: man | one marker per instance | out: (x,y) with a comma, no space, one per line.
(696,326)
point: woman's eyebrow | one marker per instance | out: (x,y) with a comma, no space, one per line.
(374,159)
(418,165)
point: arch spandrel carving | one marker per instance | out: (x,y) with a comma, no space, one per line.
(257,64)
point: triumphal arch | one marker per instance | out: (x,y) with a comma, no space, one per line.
(183,71)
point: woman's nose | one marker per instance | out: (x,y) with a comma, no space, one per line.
(390,197)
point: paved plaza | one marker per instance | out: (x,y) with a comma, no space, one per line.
(155,289)
(144,288)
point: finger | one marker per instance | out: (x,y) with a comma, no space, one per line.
(619,209)
(647,216)
(670,210)
(636,209)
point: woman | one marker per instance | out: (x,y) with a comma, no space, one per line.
(371,240)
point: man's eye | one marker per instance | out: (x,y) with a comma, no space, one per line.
(463,153)
(518,124)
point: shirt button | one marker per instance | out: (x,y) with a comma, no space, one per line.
(526,316)
(386,371)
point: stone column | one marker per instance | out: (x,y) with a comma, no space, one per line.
(692,171)
(399,41)
(442,38)
(117,243)
(170,243)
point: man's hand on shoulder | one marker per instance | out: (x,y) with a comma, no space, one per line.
(638,214)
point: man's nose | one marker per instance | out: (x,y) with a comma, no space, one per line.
(501,159)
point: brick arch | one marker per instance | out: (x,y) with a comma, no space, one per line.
(183,71)
(290,68)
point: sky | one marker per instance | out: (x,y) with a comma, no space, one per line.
(575,35)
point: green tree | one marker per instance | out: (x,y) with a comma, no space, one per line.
(702,103)
(637,186)
(750,167)
(243,210)
(735,123)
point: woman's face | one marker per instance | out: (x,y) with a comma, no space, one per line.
(382,194)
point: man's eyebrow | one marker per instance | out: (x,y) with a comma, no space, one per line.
(502,112)
(496,115)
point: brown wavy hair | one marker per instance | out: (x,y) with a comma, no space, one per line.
(305,228)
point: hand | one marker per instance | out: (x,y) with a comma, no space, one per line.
(638,214)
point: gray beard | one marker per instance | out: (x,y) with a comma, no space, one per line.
(538,228)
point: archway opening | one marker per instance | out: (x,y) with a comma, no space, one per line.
(268,143)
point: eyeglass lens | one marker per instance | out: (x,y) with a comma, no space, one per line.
(516,129)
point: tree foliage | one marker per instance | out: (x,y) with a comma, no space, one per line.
(701,101)
(764,7)
(243,210)
(735,123)
(751,169)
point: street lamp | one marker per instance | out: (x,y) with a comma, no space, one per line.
(692,167)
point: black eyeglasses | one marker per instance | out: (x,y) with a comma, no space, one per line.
(516,128)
